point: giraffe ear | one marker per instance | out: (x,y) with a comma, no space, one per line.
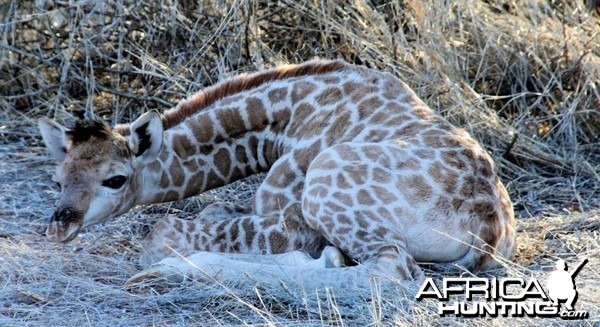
(145,138)
(55,136)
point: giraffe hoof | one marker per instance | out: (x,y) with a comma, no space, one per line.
(157,275)
(333,257)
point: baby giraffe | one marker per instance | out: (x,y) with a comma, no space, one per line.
(357,166)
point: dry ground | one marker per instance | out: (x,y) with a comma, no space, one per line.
(522,76)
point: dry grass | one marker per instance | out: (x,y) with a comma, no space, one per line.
(522,76)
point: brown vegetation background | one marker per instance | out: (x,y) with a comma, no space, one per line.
(521,76)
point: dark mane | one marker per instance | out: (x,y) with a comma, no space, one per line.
(86,128)
(210,95)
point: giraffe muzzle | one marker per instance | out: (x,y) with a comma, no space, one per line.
(64,225)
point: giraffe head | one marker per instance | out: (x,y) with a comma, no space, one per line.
(99,170)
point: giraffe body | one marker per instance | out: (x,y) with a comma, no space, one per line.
(353,159)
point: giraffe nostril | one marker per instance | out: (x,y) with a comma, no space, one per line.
(66,216)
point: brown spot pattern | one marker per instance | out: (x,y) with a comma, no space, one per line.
(256,113)
(281,176)
(392,89)
(164,180)
(277,95)
(213,181)
(343,198)
(240,154)
(364,198)
(177,173)
(301,89)
(468,187)
(202,128)
(342,183)
(486,212)
(304,156)
(183,147)
(346,153)
(329,96)
(223,161)
(301,113)
(231,120)
(278,242)
(385,196)
(368,106)
(416,187)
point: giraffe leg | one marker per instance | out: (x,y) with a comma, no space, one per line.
(222,267)
(172,234)
(330,257)
(253,234)
(295,269)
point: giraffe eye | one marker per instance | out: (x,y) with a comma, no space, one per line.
(115,182)
(58,186)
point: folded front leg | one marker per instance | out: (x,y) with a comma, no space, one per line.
(253,234)
(233,267)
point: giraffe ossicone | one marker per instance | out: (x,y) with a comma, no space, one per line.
(355,162)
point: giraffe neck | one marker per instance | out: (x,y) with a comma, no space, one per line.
(226,132)
(212,149)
